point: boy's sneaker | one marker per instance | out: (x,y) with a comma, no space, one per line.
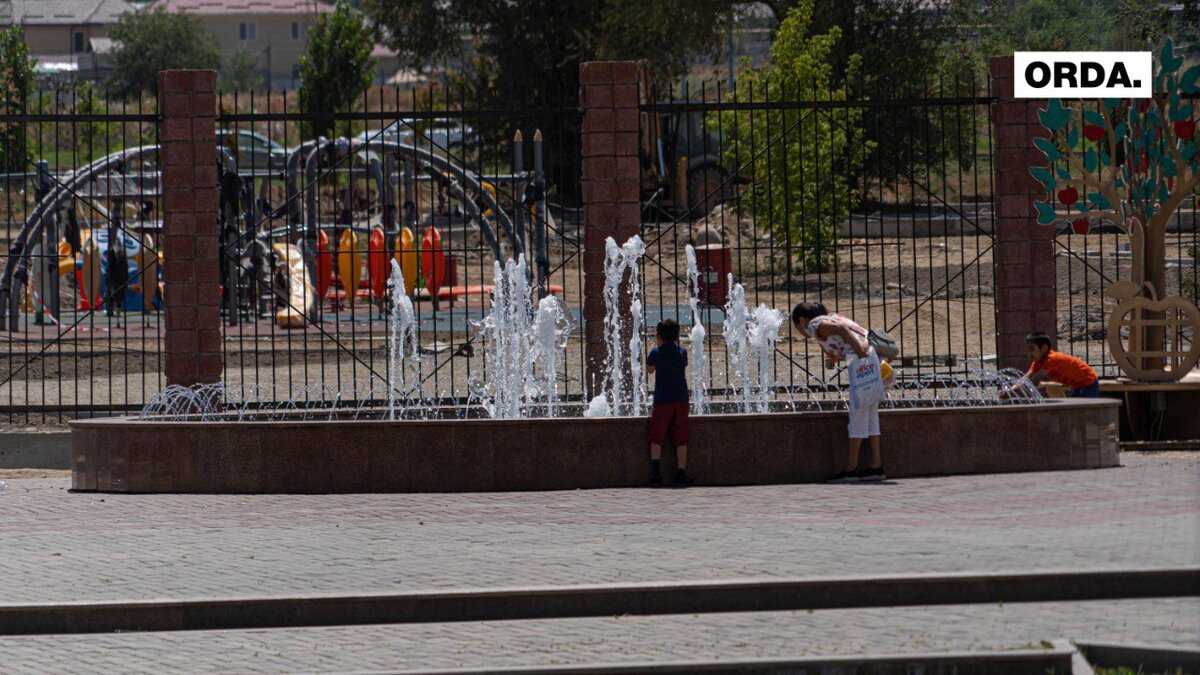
(656,479)
(682,480)
(844,477)
(875,474)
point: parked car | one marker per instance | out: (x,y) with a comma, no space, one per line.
(446,134)
(400,131)
(252,151)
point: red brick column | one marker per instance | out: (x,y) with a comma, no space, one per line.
(191,274)
(611,183)
(1026,281)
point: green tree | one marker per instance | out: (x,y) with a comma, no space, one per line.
(16,87)
(801,187)
(92,136)
(240,72)
(148,42)
(337,67)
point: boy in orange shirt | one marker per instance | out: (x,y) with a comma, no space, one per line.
(1062,368)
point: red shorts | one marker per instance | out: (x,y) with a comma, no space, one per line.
(671,417)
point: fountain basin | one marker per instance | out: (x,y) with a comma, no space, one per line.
(471,455)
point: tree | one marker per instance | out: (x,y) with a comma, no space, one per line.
(1132,163)
(16,86)
(240,72)
(802,183)
(148,42)
(92,136)
(337,66)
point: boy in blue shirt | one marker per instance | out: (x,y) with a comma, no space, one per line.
(667,362)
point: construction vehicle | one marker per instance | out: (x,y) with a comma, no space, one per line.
(681,171)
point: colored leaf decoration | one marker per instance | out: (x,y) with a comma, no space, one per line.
(1043,176)
(1120,130)
(1073,137)
(1105,159)
(1168,166)
(1169,62)
(1188,151)
(1046,213)
(1183,112)
(1098,200)
(1055,116)
(1047,147)
(1090,160)
(1093,117)
(1063,174)
(1189,82)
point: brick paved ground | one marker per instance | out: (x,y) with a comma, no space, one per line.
(609,640)
(63,546)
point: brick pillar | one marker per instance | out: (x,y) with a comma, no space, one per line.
(191,274)
(1025,276)
(611,183)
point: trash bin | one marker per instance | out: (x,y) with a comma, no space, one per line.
(714,262)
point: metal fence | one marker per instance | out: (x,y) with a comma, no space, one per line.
(877,206)
(81,333)
(429,178)
(1092,254)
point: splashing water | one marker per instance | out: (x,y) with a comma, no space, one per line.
(763,335)
(750,333)
(737,342)
(699,374)
(517,344)
(266,402)
(402,331)
(598,407)
(551,330)
(624,385)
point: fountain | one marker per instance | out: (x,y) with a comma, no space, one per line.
(516,434)
(624,390)
(518,342)
(698,364)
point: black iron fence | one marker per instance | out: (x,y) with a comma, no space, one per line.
(428,179)
(79,301)
(877,206)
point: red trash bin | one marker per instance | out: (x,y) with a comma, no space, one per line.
(714,262)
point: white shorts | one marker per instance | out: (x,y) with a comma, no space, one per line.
(864,422)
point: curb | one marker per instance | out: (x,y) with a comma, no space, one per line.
(1017,662)
(35,450)
(549,602)
(1139,657)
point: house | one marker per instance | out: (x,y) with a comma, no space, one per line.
(273,32)
(61,33)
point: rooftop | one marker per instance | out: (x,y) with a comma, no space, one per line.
(62,12)
(217,7)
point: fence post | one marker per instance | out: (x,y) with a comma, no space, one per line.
(191,272)
(1023,259)
(611,184)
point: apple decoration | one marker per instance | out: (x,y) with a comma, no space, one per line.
(1081,226)
(1185,128)
(1093,132)
(1068,196)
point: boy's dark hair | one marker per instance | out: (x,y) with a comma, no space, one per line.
(807,311)
(668,330)
(1038,338)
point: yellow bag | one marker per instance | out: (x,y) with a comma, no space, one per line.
(885,371)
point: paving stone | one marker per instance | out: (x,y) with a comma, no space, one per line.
(59,546)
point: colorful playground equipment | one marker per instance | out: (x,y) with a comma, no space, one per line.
(302,257)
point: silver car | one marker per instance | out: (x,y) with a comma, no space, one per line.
(251,150)
(400,131)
